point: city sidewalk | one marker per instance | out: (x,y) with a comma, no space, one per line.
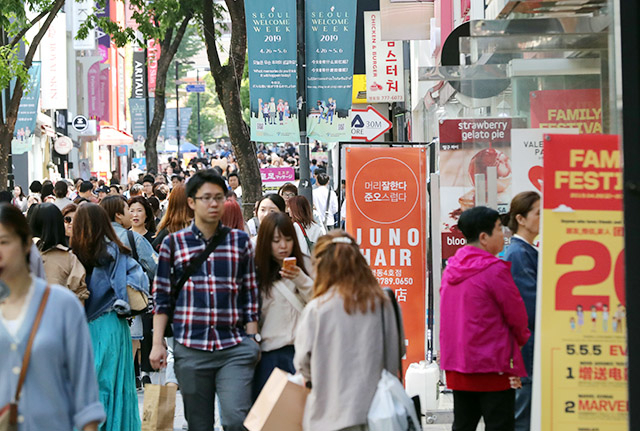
(445,403)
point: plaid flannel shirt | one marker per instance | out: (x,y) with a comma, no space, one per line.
(218,299)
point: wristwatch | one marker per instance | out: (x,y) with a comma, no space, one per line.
(256,337)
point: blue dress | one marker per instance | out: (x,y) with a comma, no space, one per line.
(60,389)
(111,339)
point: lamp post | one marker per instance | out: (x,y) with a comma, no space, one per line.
(178,114)
(178,108)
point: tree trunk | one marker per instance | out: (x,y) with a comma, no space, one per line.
(6,136)
(227,80)
(168,51)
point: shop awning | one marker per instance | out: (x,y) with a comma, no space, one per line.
(109,135)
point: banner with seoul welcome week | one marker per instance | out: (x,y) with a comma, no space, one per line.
(330,28)
(272,41)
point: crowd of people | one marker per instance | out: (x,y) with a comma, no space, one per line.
(233,299)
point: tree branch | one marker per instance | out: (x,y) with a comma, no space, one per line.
(238,37)
(208,28)
(27,28)
(180,34)
(14,104)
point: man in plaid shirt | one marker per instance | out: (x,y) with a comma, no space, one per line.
(215,321)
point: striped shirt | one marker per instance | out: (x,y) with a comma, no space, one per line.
(218,299)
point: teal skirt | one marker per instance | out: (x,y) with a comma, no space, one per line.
(113,359)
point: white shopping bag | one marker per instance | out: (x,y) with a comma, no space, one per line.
(391,408)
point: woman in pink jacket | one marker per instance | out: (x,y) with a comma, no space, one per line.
(483,326)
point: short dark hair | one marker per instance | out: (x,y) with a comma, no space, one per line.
(233,174)
(150,219)
(323,179)
(177,177)
(47,223)
(198,179)
(47,189)
(86,186)
(5,196)
(476,220)
(35,187)
(60,189)
(12,219)
(148,179)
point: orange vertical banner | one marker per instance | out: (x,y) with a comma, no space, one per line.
(386,213)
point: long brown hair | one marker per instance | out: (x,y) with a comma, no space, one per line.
(179,214)
(300,211)
(340,265)
(521,204)
(91,230)
(267,269)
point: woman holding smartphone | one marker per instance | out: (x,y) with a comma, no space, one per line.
(285,287)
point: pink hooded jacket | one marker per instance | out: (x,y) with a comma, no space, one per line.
(483,319)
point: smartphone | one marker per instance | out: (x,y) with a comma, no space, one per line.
(289,263)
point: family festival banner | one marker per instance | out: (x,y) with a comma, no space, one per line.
(330,29)
(272,42)
(575,109)
(386,213)
(583,317)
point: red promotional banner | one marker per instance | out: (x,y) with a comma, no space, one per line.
(153,54)
(583,349)
(386,213)
(576,109)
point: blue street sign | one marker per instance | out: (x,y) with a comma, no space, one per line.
(195,88)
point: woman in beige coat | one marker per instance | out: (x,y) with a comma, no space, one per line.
(284,291)
(339,344)
(61,266)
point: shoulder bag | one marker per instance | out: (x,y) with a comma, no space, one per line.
(138,300)
(9,412)
(306,238)
(290,296)
(194,264)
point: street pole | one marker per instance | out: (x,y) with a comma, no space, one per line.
(198,98)
(178,115)
(304,187)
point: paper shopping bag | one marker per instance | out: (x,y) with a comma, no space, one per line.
(159,408)
(280,405)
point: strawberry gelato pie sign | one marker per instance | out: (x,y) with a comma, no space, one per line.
(468,147)
(384,63)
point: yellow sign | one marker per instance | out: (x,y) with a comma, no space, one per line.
(583,327)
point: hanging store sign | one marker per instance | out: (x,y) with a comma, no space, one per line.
(54,65)
(384,62)
(274,178)
(63,145)
(272,36)
(468,147)
(330,45)
(81,11)
(583,316)
(139,80)
(386,213)
(560,109)
(153,54)
(28,110)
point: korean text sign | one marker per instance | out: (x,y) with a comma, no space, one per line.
(387,216)
(384,61)
(583,347)
(274,178)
